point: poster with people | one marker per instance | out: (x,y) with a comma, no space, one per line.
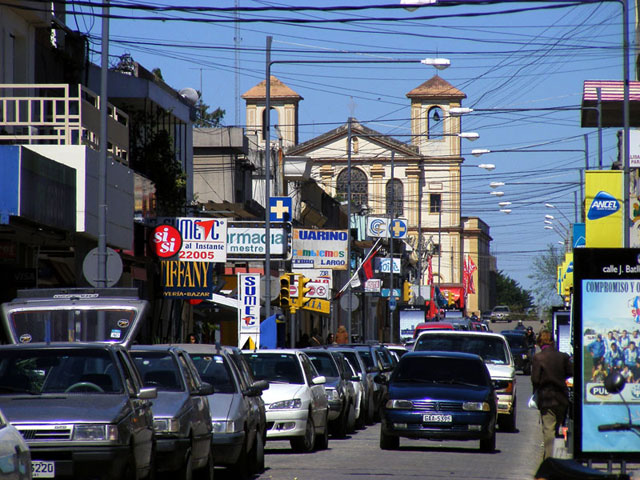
(607,334)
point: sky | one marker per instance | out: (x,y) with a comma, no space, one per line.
(518,56)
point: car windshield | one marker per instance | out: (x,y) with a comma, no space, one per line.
(58,371)
(72,325)
(159,370)
(516,341)
(441,370)
(500,309)
(214,369)
(491,349)
(274,367)
(323,363)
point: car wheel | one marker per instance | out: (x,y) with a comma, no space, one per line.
(351,418)
(259,454)
(508,422)
(206,472)
(322,441)
(305,443)
(361,420)
(241,468)
(339,425)
(186,472)
(388,442)
(488,445)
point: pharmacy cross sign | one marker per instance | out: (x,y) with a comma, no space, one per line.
(398,228)
(279,209)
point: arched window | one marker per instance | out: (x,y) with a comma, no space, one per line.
(359,187)
(273,120)
(435,123)
(395,194)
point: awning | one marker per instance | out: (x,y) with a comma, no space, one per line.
(612,100)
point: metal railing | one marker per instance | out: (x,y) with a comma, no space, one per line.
(59,114)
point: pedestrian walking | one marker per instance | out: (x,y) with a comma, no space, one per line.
(549,372)
(342,336)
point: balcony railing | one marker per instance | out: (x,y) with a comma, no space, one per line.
(59,114)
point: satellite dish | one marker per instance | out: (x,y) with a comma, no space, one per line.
(190,95)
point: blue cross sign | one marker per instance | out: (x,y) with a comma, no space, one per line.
(398,228)
(279,209)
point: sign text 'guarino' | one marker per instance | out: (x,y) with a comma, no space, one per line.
(186,279)
(320,249)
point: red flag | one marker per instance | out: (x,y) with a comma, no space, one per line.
(465,276)
(429,273)
(471,267)
(367,266)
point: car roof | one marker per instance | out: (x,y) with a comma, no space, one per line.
(195,347)
(62,345)
(290,351)
(434,325)
(462,332)
(438,354)
(155,348)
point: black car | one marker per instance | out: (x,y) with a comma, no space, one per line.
(82,409)
(439,396)
(181,417)
(521,350)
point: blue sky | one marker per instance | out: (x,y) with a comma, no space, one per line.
(520,60)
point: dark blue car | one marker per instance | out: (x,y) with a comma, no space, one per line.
(439,396)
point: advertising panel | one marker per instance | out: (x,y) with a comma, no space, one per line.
(244,242)
(320,249)
(248,308)
(604,209)
(409,318)
(606,335)
(203,239)
(186,279)
(383,265)
(319,284)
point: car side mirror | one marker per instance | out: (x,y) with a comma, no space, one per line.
(205,389)
(256,388)
(381,379)
(147,393)
(321,380)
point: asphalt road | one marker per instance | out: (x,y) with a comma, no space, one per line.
(359,456)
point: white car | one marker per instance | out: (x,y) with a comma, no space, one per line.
(296,403)
(15,459)
(495,351)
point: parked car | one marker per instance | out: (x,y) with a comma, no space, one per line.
(338,387)
(358,387)
(375,366)
(397,350)
(439,396)
(181,417)
(520,349)
(82,409)
(367,406)
(501,313)
(421,327)
(15,459)
(494,350)
(237,410)
(296,402)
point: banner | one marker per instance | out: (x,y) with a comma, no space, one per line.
(248,309)
(604,208)
(320,249)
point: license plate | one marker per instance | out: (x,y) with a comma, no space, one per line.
(437,418)
(43,469)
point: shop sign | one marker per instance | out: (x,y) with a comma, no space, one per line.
(248,303)
(320,249)
(186,279)
(243,242)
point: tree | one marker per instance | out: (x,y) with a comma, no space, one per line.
(204,118)
(544,273)
(509,292)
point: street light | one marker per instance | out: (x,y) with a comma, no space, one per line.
(439,63)
(505,210)
(496,184)
(496,194)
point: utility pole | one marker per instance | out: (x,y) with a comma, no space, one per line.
(392,214)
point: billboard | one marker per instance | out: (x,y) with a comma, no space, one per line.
(203,239)
(606,337)
(323,249)
(248,309)
(186,279)
(604,208)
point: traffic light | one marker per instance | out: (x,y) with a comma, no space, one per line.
(285,291)
(302,291)
(451,300)
(406,291)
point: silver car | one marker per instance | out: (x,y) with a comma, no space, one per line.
(15,459)
(237,410)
